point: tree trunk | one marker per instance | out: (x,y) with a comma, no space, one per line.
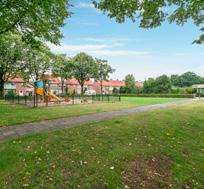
(101,84)
(62,86)
(82,89)
(1,88)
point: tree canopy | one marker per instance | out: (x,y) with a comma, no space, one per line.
(37,19)
(186,79)
(84,68)
(104,70)
(152,13)
(11,54)
(62,68)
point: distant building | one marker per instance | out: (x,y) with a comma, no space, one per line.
(18,86)
(107,86)
(21,87)
(199,87)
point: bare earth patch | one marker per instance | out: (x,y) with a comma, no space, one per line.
(151,173)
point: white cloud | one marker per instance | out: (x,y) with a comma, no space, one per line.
(85,5)
(108,39)
(102,50)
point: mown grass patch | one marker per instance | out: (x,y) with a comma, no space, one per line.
(96,155)
(16,114)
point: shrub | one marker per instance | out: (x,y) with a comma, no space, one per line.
(160,95)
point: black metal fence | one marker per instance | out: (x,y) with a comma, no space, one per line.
(38,101)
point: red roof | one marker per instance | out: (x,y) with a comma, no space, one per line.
(110,83)
(139,84)
(73,81)
(113,83)
(16,80)
(54,80)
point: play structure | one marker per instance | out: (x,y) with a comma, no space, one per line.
(42,88)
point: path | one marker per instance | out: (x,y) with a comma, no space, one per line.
(13,132)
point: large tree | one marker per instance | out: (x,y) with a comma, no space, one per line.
(36,19)
(149,85)
(62,67)
(152,13)
(37,63)
(84,68)
(162,84)
(104,71)
(11,55)
(130,81)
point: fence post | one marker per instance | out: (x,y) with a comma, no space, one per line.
(34,101)
(72,99)
(13,98)
(108,98)
(25,100)
(119,98)
(18,99)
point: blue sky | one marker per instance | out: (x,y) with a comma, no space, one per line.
(128,48)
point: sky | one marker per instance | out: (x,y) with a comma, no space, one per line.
(129,49)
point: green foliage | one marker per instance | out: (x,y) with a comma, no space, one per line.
(11,56)
(186,80)
(115,91)
(162,84)
(37,62)
(37,19)
(84,68)
(162,95)
(103,71)
(149,85)
(62,67)
(130,82)
(152,14)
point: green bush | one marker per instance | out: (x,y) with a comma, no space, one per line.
(160,95)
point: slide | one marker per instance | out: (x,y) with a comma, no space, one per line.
(54,96)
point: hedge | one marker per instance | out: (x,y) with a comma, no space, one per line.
(160,95)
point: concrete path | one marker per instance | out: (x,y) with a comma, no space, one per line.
(13,132)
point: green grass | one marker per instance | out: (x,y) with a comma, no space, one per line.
(81,157)
(15,114)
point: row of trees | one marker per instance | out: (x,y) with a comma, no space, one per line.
(32,63)
(174,83)
(82,67)
(163,84)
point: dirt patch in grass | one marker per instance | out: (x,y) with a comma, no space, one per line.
(151,173)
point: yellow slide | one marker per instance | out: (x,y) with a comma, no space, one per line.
(54,96)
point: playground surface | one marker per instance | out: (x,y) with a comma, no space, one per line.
(163,148)
(12,132)
(11,114)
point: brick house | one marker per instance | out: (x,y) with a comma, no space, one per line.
(108,86)
(18,86)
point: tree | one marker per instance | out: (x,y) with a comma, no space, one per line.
(37,63)
(162,84)
(186,80)
(152,13)
(11,54)
(149,86)
(104,70)
(34,19)
(84,68)
(62,67)
(130,83)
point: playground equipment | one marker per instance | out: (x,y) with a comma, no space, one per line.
(42,88)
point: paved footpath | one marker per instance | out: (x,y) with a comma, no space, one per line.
(16,131)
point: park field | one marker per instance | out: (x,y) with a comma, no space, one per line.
(159,149)
(16,114)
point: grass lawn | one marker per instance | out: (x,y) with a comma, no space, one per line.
(96,155)
(15,114)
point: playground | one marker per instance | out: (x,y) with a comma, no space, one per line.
(44,97)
